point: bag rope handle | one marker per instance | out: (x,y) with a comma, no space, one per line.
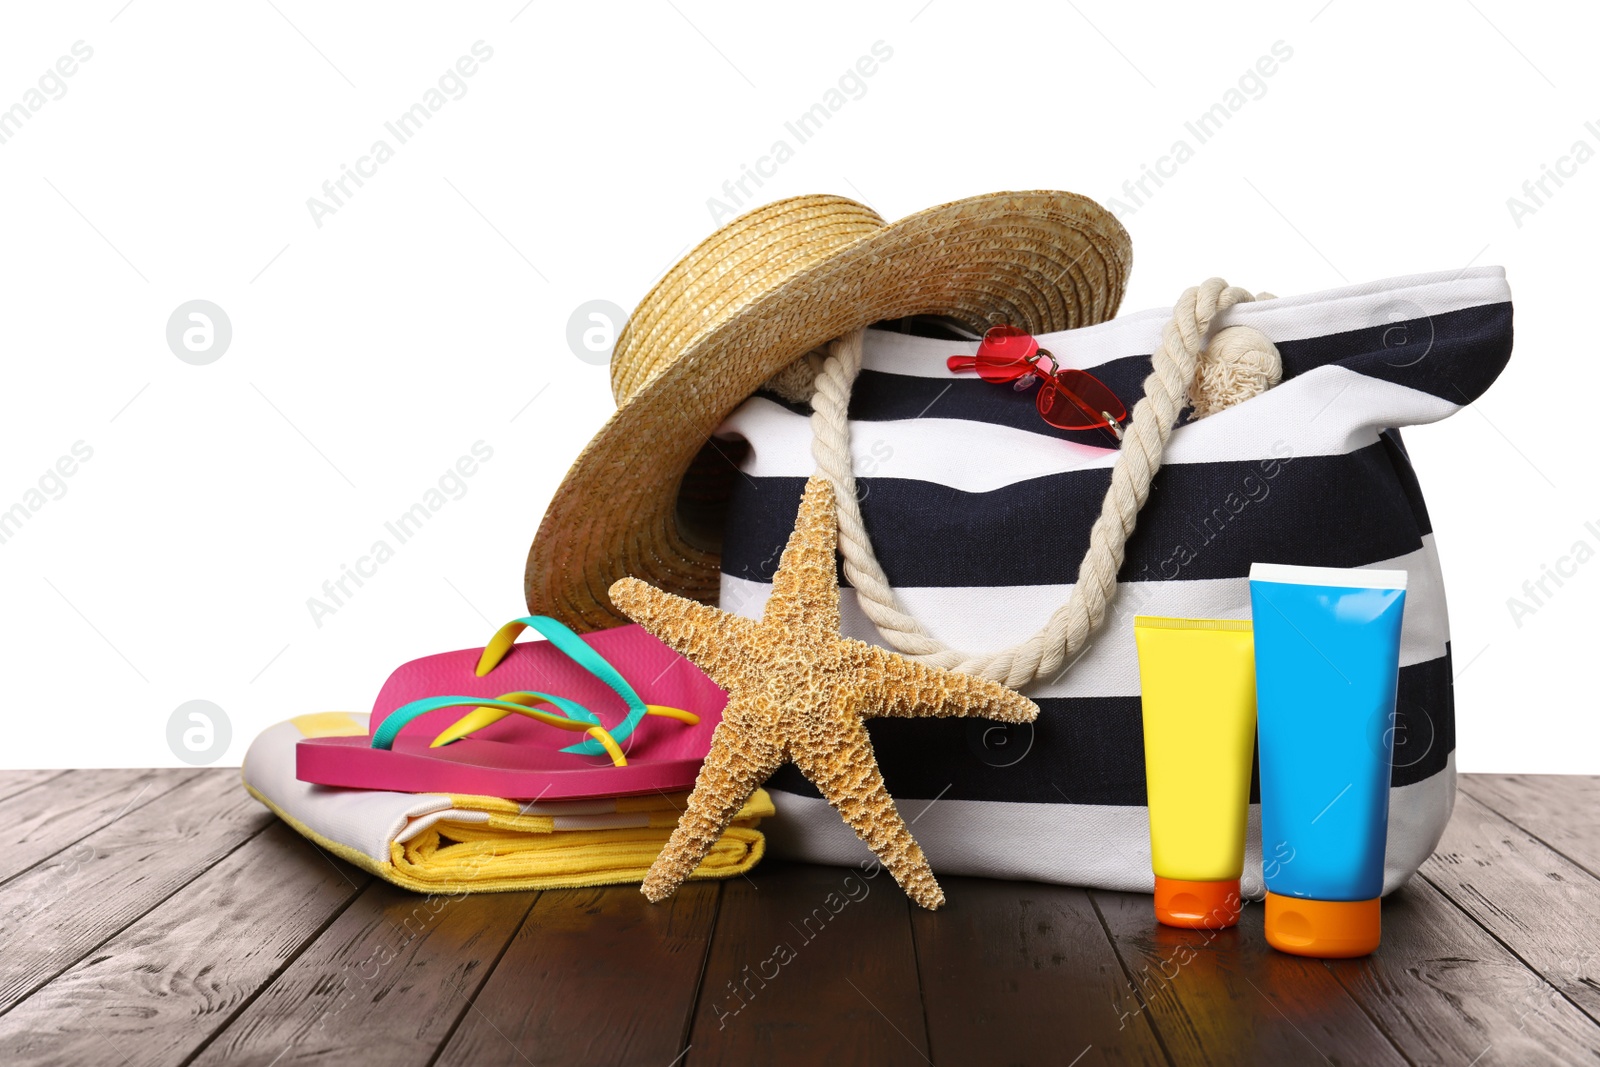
(1066,635)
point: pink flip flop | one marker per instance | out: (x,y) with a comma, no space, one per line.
(505,746)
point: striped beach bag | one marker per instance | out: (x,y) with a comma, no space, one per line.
(979,514)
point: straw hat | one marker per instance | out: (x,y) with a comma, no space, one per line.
(750,300)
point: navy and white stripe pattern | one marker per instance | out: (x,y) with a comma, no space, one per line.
(979,513)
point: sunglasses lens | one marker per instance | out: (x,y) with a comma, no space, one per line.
(1003,354)
(1077,400)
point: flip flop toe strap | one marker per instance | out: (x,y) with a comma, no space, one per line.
(578,650)
(575,718)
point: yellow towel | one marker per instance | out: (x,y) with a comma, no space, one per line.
(445,844)
(512,852)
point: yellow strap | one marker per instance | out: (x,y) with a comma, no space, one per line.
(673,713)
(498,646)
(599,734)
(478,718)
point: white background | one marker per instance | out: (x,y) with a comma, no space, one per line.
(430,311)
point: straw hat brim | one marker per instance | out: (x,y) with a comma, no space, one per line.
(1044,261)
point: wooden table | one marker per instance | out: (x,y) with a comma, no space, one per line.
(163,917)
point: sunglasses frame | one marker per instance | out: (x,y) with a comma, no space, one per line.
(1054,375)
(1099,420)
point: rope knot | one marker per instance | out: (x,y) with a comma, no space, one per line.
(1239,363)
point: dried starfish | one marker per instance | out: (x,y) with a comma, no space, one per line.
(798,691)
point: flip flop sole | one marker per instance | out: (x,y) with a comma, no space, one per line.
(515,771)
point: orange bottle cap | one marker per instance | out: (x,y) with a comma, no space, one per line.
(1197,905)
(1326,929)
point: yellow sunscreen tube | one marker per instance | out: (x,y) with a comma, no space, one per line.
(1198,689)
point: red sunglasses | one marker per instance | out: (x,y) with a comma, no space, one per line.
(1068,400)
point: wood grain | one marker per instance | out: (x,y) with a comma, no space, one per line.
(1018,973)
(593,976)
(156,992)
(148,927)
(55,913)
(1228,998)
(54,815)
(1536,901)
(386,983)
(13,782)
(810,965)
(1448,994)
(1562,810)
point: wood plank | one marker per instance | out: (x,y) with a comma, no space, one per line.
(156,992)
(55,913)
(1018,972)
(811,965)
(1227,997)
(1562,810)
(14,782)
(53,816)
(1448,994)
(593,976)
(1536,901)
(386,983)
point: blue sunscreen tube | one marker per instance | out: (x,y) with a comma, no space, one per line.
(1327,644)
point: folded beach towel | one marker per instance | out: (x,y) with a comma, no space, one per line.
(436,842)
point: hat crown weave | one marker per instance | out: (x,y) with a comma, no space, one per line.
(739,263)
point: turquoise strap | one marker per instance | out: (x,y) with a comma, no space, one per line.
(584,656)
(404,715)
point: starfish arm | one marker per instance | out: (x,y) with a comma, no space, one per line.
(841,764)
(805,589)
(893,686)
(713,640)
(738,762)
